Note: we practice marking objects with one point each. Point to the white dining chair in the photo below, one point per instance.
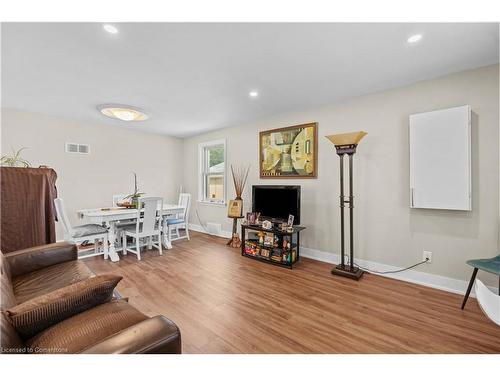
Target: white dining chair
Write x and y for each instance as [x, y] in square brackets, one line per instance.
[148, 225]
[82, 233]
[180, 221]
[118, 198]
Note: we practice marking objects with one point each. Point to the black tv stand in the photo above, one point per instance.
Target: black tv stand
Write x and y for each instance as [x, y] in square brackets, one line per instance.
[284, 251]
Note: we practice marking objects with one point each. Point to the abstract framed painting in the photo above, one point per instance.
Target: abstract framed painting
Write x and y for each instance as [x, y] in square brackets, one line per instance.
[290, 152]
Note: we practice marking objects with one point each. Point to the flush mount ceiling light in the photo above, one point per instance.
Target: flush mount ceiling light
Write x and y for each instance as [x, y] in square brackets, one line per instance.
[253, 94]
[414, 38]
[123, 112]
[110, 29]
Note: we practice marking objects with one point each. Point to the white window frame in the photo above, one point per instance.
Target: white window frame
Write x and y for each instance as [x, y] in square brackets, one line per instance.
[202, 164]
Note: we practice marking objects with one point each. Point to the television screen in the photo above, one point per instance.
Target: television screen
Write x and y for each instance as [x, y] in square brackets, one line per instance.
[276, 202]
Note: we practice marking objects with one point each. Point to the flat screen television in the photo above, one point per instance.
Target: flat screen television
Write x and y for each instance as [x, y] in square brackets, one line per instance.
[276, 202]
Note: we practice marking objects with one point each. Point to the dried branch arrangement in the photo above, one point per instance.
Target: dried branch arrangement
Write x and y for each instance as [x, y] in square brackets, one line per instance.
[136, 194]
[240, 174]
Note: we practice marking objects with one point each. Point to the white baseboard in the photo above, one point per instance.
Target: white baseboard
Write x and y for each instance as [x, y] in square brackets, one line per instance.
[416, 277]
[199, 228]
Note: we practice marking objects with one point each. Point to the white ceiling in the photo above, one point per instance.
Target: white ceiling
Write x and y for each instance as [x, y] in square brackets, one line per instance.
[195, 77]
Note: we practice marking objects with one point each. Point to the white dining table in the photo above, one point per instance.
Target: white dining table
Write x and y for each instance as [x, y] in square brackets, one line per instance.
[109, 216]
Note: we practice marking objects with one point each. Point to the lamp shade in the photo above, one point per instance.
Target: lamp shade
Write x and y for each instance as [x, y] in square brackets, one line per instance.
[346, 139]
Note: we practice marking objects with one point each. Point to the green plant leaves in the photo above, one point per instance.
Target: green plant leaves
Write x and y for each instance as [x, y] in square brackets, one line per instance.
[15, 159]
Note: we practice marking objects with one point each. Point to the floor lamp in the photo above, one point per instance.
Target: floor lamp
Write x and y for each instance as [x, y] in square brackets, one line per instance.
[345, 144]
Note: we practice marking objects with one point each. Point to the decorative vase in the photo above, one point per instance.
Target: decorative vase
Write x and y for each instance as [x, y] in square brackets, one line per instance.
[135, 202]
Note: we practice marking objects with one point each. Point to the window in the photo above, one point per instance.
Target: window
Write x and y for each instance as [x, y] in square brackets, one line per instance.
[212, 160]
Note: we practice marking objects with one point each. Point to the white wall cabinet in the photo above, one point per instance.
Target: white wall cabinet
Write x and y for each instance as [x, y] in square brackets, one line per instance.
[440, 159]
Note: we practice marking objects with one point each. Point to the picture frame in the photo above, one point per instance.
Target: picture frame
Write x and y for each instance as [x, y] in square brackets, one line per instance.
[269, 239]
[289, 152]
[235, 208]
[265, 253]
[250, 218]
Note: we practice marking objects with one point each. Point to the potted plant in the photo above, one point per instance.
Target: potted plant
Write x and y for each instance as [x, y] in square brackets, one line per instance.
[15, 159]
[134, 197]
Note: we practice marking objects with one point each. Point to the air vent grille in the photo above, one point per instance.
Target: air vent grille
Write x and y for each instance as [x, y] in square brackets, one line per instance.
[76, 148]
[214, 228]
[83, 149]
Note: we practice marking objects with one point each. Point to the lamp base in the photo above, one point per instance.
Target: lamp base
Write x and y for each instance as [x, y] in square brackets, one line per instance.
[346, 271]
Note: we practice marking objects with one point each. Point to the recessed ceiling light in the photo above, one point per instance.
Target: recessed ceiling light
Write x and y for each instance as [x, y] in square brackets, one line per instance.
[123, 112]
[110, 29]
[253, 94]
[414, 38]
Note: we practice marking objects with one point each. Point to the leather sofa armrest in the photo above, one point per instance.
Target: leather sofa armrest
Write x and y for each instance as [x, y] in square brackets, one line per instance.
[157, 335]
[35, 258]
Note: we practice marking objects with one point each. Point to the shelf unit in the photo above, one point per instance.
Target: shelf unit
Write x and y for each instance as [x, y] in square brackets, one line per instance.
[283, 252]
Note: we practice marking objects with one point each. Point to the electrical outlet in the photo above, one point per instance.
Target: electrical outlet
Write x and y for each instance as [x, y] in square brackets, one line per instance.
[427, 255]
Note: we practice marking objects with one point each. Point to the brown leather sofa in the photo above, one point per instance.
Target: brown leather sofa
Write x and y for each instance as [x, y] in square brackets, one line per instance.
[35, 271]
[31, 277]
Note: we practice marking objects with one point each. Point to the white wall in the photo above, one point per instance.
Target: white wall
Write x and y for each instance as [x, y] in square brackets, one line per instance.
[386, 229]
[86, 181]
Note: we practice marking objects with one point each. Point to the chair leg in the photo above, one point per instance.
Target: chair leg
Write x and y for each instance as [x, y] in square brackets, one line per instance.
[118, 239]
[138, 248]
[474, 273]
[164, 230]
[106, 250]
[124, 243]
[177, 231]
[159, 243]
[150, 242]
[187, 232]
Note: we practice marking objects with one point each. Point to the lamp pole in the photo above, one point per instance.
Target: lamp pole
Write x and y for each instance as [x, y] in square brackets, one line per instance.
[351, 211]
[346, 144]
[342, 204]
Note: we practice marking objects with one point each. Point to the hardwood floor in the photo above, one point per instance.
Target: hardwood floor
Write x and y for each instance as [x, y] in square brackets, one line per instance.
[226, 303]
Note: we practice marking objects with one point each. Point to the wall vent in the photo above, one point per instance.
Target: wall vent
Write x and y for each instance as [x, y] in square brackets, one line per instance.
[76, 148]
[214, 228]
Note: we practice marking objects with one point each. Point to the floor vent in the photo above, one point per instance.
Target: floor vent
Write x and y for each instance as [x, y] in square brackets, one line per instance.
[77, 148]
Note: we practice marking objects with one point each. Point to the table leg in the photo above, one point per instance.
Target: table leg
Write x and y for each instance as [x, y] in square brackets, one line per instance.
[166, 240]
[112, 237]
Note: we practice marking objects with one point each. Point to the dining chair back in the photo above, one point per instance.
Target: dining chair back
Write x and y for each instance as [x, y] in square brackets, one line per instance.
[148, 225]
[151, 216]
[81, 234]
[180, 221]
[185, 202]
[118, 198]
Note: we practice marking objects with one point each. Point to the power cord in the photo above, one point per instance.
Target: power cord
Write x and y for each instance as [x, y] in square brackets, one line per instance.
[202, 225]
[386, 272]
